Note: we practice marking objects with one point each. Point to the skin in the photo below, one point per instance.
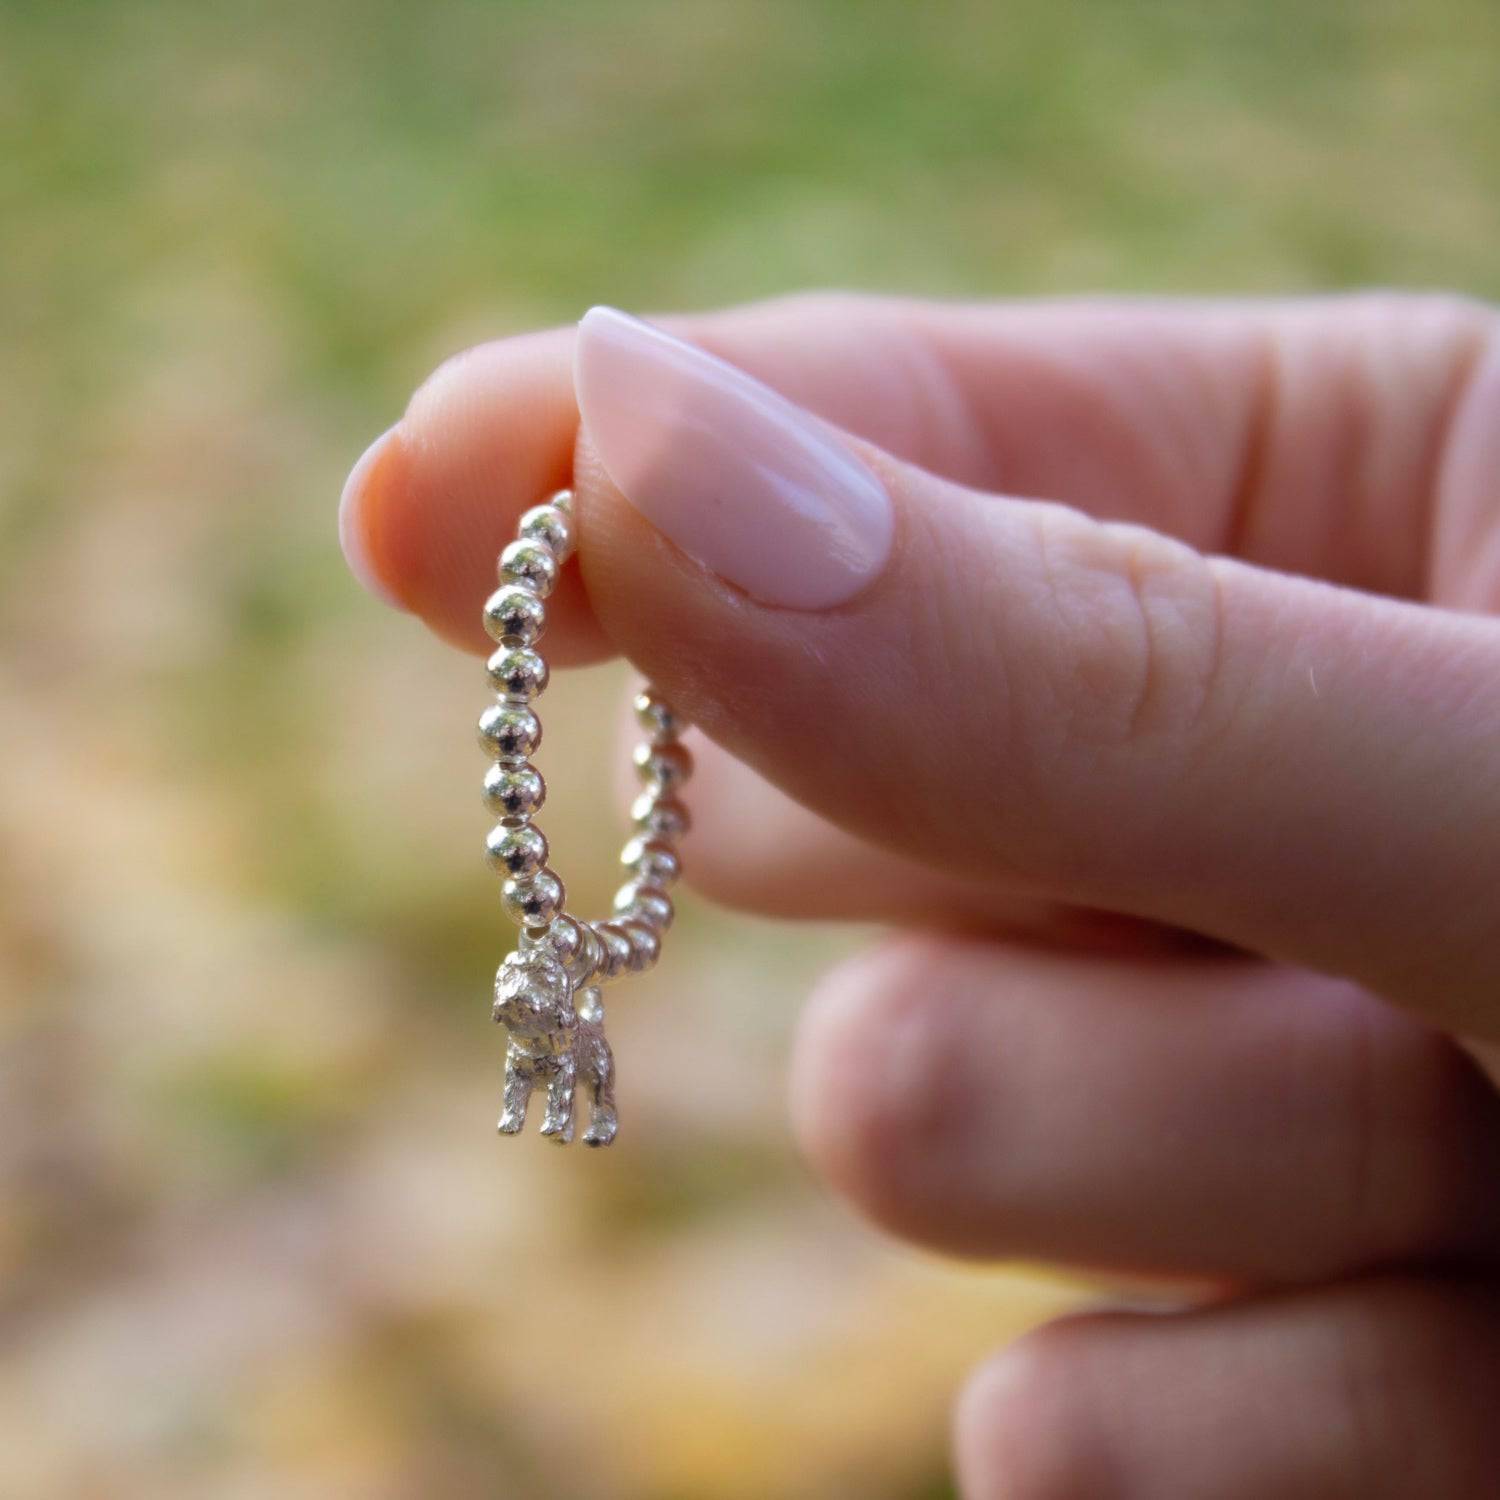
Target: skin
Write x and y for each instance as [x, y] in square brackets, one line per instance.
[1193, 848]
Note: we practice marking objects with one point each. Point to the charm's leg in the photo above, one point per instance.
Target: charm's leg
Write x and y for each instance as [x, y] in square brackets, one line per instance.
[603, 1122]
[518, 1082]
[558, 1121]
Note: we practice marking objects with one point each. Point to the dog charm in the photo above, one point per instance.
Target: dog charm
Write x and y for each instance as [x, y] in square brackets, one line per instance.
[553, 1045]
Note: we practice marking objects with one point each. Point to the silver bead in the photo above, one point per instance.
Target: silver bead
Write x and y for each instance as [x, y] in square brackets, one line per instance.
[648, 903]
[563, 501]
[563, 939]
[530, 564]
[516, 851]
[518, 673]
[645, 943]
[509, 732]
[652, 861]
[514, 791]
[661, 722]
[515, 614]
[533, 900]
[660, 817]
[551, 525]
[663, 768]
[616, 948]
[589, 959]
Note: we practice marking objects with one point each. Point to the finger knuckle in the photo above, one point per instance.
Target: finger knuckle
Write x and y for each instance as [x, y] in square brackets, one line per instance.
[1414, 310]
[1137, 626]
[833, 305]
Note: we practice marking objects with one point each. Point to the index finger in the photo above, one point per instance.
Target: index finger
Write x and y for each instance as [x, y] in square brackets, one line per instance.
[1302, 435]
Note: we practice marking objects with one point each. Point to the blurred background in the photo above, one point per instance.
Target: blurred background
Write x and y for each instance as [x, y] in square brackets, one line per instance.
[257, 1236]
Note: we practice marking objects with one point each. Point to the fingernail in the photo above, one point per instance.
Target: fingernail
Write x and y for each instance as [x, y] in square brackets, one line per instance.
[356, 508]
[742, 480]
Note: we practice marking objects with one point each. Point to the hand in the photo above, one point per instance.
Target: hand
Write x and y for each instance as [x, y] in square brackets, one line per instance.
[1184, 781]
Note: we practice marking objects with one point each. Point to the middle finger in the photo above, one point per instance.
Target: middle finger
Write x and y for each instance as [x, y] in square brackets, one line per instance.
[1219, 1118]
[754, 848]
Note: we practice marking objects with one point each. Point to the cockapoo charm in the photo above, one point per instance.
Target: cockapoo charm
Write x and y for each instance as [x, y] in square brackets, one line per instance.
[555, 1045]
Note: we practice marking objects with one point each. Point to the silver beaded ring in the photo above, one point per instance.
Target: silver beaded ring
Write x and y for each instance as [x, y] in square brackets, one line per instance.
[547, 991]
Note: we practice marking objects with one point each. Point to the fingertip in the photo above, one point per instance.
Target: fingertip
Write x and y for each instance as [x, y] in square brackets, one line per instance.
[829, 1020]
[429, 506]
[359, 515]
[862, 1105]
[1013, 1433]
[985, 1403]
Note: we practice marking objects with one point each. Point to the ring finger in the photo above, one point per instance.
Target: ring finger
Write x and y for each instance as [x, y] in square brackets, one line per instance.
[1379, 1388]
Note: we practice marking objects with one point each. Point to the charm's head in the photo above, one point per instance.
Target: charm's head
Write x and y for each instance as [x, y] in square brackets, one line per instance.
[533, 996]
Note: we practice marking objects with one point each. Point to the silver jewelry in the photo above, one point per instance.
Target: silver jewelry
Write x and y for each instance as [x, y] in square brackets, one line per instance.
[547, 991]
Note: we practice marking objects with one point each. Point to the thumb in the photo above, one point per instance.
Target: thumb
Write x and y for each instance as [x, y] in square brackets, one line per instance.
[1016, 691]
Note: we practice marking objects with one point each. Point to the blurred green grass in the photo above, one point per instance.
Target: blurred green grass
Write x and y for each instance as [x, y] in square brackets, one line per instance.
[241, 936]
